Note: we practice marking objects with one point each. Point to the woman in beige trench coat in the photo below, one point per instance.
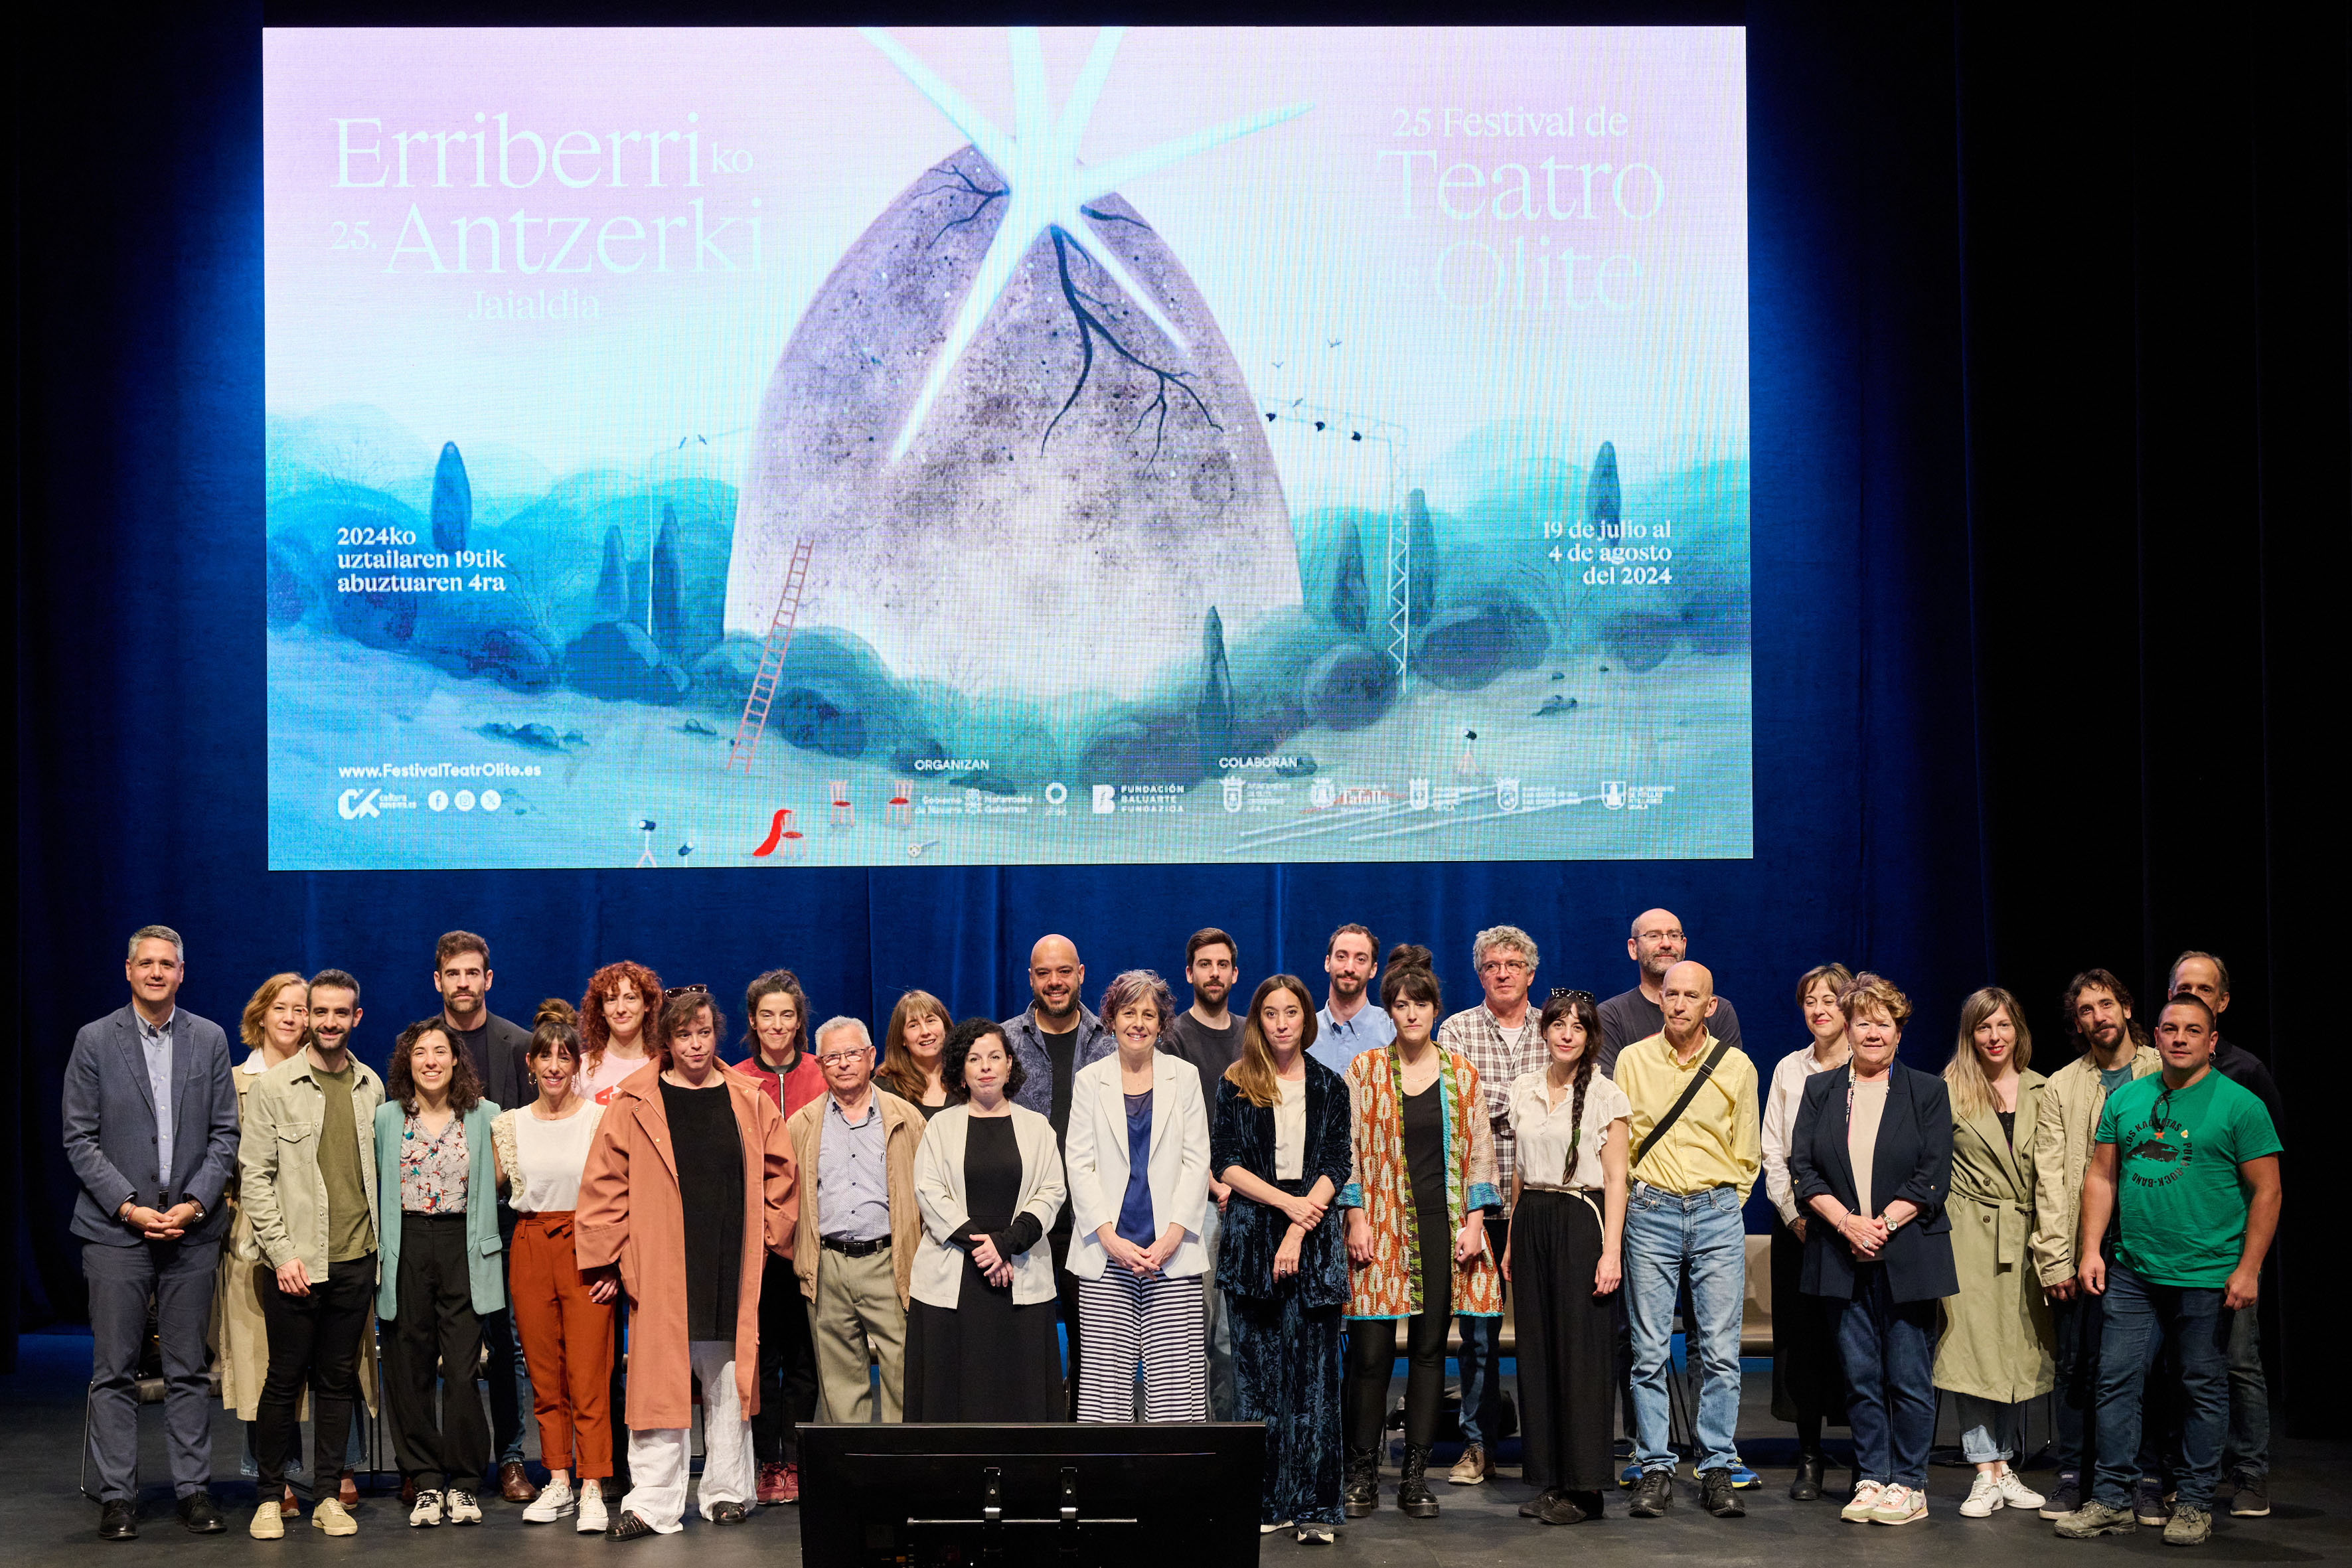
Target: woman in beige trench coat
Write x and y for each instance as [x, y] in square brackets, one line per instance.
[1996, 1350]
[693, 1284]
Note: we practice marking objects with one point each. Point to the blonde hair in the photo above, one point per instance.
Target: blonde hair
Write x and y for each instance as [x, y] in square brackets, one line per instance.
[256, 1011]
[1252, 1073]
[1971, 1092]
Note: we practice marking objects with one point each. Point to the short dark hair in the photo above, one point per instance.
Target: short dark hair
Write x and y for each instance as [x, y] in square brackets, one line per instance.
[400, 1083]
[337, 980]
[677, 1010]
[2189, 999]
[776, 983]
[1410, 977]
[1365, 932]
[1209, 936]
[961, 1039]
[453, 942]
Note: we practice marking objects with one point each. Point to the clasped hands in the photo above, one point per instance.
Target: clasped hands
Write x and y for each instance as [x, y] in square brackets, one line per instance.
[1143, 1262]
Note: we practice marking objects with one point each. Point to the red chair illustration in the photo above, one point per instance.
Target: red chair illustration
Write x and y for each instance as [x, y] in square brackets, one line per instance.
[845, 812]
[901, 807]
[783, 838]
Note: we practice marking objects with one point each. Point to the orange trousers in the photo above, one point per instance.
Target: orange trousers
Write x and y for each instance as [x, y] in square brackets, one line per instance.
[567, 1343]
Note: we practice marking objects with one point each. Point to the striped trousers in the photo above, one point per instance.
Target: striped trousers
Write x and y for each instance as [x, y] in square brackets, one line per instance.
[1156, 1323]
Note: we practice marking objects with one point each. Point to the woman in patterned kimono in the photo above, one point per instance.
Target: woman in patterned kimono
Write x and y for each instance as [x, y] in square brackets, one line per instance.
[1417, 1248]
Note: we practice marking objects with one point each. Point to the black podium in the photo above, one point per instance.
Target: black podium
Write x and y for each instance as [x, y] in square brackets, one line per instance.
[1085, 1496]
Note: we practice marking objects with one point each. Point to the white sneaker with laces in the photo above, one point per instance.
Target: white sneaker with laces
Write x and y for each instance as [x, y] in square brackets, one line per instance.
[2015, 1492]
[1900, 1505]
[1985, 1496]
[426, 1513]
[1865, 1498]
[593, 1519]
[554, 1502]
[463, 1509]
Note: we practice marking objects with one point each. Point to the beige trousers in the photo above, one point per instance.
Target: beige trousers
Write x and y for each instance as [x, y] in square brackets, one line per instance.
[856, 1310]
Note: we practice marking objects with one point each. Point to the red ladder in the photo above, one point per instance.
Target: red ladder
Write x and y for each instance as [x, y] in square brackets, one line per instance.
[772, 661]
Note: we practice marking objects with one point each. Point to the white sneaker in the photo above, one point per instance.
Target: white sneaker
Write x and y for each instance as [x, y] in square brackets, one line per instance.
[592, 1509]
[2015, 1492]
[463, 1509]
[554, 1502]
[426, 1513]
[1270, 1528]
[1985, 1496]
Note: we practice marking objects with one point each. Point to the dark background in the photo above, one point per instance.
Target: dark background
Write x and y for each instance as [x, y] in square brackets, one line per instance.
[2050, 484]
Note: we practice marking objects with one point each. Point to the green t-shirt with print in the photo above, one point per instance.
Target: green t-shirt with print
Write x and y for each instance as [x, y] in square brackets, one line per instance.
[2179, 1198]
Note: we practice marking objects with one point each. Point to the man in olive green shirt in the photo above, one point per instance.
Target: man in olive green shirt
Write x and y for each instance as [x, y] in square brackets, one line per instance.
[307, 1180]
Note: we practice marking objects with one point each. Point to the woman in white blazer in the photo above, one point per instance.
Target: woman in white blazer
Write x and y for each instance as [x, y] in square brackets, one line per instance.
[1138, 1165]
[980, 1344]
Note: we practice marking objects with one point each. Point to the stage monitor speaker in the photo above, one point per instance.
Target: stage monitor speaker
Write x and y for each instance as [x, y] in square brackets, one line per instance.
[1081, 1495]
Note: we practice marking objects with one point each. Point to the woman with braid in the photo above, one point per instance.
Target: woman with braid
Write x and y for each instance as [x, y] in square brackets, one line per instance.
[1417, 1247]
[1567, 1220]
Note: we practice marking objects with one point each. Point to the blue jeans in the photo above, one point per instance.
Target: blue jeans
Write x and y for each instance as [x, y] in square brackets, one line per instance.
[1665, 1235]
[1988, 1428]
[2247, 1449]
[1888, 1349]
[2143, 1320]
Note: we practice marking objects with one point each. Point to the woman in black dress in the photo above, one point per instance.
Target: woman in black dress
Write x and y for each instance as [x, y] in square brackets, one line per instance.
[981, 1343]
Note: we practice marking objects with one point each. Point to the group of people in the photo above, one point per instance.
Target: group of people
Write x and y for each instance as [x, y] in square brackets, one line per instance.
[1224, 1214]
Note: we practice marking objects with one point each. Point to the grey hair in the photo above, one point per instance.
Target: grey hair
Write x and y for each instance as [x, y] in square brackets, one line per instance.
[155, 933]
[1502, 936]
[1136, 985]
[838, 1023]
[2220, 971]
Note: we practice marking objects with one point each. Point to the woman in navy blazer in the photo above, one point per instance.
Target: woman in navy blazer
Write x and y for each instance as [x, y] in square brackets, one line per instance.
[1881, 1251]
[1280, 1140]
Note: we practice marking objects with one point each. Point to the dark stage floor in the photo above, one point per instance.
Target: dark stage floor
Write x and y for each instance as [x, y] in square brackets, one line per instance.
[44, 1520]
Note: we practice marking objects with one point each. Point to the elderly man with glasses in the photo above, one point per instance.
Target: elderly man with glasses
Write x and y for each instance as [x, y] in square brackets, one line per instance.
[1500, 1038]
[858, 1225]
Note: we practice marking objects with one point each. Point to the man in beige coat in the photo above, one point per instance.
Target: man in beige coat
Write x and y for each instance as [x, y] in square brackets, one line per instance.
[2114, 1051]
[858, 1225]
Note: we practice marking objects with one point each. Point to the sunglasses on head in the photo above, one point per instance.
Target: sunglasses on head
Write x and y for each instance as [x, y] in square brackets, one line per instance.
[1560, 991]
[670, 990]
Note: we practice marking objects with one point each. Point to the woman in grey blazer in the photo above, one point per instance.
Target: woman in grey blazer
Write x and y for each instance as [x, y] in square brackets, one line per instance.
[1138, 1176]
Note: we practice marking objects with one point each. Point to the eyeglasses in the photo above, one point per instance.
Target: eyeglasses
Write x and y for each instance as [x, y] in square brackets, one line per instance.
[1504, 966]
[838, 1058]
[670, 990]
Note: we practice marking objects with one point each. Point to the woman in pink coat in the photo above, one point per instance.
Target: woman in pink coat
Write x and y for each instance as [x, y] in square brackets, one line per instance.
[689, 1184]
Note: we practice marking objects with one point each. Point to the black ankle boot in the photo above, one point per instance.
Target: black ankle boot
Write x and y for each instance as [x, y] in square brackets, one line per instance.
[1363, 1492]
[1811, 1468]
[1412, 1492]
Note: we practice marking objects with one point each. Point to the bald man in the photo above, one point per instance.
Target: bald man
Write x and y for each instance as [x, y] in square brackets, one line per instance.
[1656, 944]
[1054, 1037]
[1691, 1172]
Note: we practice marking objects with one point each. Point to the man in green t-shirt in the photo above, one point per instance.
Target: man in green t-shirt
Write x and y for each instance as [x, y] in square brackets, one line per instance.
[2186, 1161]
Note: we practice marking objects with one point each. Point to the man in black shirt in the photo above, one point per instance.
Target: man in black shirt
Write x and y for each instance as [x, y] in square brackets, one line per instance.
[1053, 1037]
[2246, 1447]
[1210, 1038]
[1657, 945]
[461, 974]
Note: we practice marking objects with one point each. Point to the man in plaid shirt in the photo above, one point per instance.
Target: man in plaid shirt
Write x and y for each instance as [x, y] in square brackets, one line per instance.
[1500, 1038]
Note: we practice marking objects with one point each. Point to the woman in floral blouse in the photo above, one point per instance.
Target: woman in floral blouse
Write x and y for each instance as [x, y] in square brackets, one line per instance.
[1417, 1248]
[440, 1266]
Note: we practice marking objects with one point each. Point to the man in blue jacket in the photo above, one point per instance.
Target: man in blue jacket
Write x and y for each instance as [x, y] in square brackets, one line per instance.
[151, 1131]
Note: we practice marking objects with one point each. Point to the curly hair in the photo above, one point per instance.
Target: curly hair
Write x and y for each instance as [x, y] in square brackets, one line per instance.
[256, 1011]
[960, 1040]
[594, 1034]
[1875, 993]
[400, 1082]
[899, 1072]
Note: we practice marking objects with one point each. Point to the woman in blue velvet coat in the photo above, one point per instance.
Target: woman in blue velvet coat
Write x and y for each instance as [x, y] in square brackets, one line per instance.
[1280, 1141]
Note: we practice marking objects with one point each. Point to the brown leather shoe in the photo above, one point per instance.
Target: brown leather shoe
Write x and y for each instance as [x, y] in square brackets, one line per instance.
[514, 1485]
[408, 1491]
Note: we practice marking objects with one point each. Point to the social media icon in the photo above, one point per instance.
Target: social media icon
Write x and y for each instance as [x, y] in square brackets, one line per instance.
[465, 800]
[490, 799]
[438, 800]
[1106, 799]
[1057, 792]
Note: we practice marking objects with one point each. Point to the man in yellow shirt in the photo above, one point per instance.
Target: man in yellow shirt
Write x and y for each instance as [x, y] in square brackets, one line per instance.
[1689, 1184]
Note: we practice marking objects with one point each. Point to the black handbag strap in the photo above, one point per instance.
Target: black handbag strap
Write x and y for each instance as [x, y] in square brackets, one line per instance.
[1690, 1092]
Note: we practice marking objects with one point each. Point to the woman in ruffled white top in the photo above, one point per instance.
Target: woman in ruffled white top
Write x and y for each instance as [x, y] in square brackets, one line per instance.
[565, 1319]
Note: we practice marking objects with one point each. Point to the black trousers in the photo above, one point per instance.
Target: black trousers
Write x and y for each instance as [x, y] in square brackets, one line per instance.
[314, 1339]
[436, 1338]
[1372, 1348]
[1065, 1288]
[1567, 1346]
[787, 1364]
[1807, 1378]
[619, 1400]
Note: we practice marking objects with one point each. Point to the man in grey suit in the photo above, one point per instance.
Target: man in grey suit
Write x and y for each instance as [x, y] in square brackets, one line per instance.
[151, 1131]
